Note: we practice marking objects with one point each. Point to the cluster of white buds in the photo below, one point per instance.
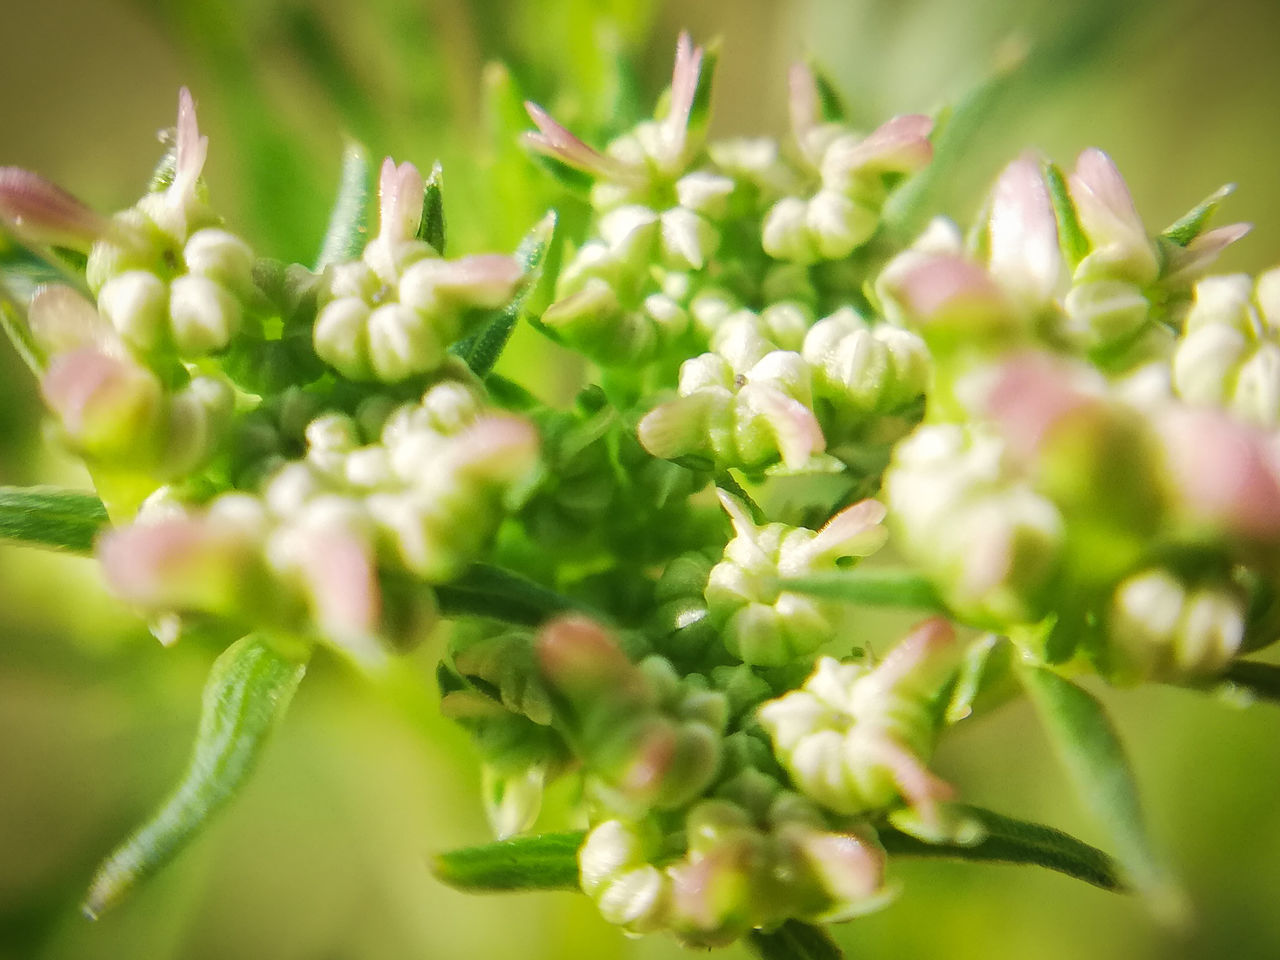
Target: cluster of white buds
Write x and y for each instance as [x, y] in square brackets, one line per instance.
[167, 276]
[740, 870]
[1162, 628]
[393, 313]
[745, 405]
[855, 739]
[963, 511]
[760, 621]
[1229, 353]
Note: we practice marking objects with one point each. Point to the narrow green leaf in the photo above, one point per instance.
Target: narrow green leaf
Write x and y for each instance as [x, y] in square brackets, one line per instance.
[1075, 245]
[432, 227]
[348, 221]
[14, 325]
[831, 106]
[1262, 680]
[488, 591]
[1007, 840]
[700, 110]
[873, 586]
[1192, 223]
[1087, 745]
[548, 861]
[538, 254]
[794, 940]
[51, 517]
[246, 694]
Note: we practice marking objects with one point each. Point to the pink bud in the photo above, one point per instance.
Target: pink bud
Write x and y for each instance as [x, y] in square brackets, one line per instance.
[794, 426]
[1025, 255]
[343, 582]
[1031, 395]
[684, 86]
[400, 194]
[900, 145]
[945, 289]
[918, 655]
[61, 320]
[1222, 472]
[579, 658]
[855, 531]
[1105, 209]
[40, 212]
[106, 404]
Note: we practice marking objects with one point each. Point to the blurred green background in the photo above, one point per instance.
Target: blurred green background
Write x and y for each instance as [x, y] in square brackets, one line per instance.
[324, 857]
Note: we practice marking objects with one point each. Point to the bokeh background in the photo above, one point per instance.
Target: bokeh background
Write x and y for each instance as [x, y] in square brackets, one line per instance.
[325, 855]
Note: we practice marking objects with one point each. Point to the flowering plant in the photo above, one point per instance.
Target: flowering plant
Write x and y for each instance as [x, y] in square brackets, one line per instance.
[1059, 426]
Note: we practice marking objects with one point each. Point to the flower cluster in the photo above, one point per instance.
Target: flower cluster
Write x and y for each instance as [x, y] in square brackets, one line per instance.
[1060, 423]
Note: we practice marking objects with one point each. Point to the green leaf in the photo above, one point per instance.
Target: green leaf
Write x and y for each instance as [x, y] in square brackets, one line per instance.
[246, 694]
[539, 251]
[700, 110]
[548, 861]
[51, 517]
[794, 940]
[13, 323]
[985, 679]
[831, 106]
[872, 586]
[1087, 745]
[1006, 840]
[1192, 223]
[1075, 245]
[488, 591]
[348, 222]
[432, 227]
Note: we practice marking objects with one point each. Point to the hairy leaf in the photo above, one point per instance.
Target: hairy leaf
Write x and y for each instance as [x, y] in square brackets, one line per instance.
[537, 252]
[794, 940]
[51, 517]
[1192, 223]
[1006, 840]
[873, 586]
[432, 227]
[1087, 745]
[547, 861]
[348, 222]
[246, 694]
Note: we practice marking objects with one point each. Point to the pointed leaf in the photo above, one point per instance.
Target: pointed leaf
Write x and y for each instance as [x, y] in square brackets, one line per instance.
[51, 517]
[15, 327]
[1191, 224]
[348, 222]
[1075, 245]
[873, 586]
[1007, 840]
[246, 694]
[432, 227]
[547, 861]
[1087, 745]
[488, 591]
[539, 255]
[831, 108]
[794, 940]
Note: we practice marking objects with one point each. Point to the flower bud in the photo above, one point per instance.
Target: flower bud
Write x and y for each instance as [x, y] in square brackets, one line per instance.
[705, 193]
[838, 225]
[136, 303]
[40, 212]
[342, 337]
[109, 407]
[221, 256]
[785, 234]
[1104, 313]
[204, 315]
[1104, 207]
[401, 344]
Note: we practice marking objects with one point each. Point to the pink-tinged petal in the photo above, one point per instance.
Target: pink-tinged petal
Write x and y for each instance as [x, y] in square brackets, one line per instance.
[61, 320]
[486, 280]
[176, 564]
[1222, 472]
[795, 428]
[919, 655]
[105, 404]
[684, 87]
[40, 212]
[851, 868]
[901, 145]
[1106, 212]
[342, 579]
[496, 449]
[919, 786]
[400, 193]
[939, 288]
[650, 759]
[802, 101]
[555, 141]
[855, 531]
[1029, 397]
[1025, 256]
[190, 150]
[679, 427]
[1186, 265]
